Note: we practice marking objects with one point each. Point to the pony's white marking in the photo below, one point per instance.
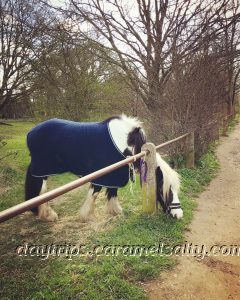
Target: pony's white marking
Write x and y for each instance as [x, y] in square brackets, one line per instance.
[170, 180]
[44, 187]
[127, 124]
[113, 207]
[88, 206]
[178, 213]
[45, 212]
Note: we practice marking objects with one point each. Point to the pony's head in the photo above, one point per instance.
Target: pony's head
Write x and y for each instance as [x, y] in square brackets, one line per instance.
[128, 135]
[168, 186]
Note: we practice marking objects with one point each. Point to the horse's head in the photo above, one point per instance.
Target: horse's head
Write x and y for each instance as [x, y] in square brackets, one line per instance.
[136, 139]
[168, 186]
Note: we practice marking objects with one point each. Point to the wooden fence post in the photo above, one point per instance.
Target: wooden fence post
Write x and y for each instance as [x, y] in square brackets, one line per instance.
[189, 151]
[148, 178]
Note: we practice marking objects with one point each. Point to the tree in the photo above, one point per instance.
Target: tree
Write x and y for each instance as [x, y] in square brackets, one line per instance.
[148, 38]
[229, 45]
[72, 82]
[65, 81]
[23, 25]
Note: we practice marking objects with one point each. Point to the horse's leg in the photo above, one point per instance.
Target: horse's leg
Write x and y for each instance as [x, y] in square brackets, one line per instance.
[113, 206]
[176, 210]
[45, 212]
[35, 186]
[88, 206]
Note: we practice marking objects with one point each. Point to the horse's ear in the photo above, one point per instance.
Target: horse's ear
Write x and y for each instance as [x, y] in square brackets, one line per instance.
[137, 129]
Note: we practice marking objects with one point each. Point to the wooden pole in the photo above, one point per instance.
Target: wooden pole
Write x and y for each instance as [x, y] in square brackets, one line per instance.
[27, 205]
[171, 141]
[190, 151]
[148, 178]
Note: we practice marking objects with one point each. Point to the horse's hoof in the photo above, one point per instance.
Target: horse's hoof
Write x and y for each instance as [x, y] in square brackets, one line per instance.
[53, 216]
[113, 207]
[115, 212]
[85, 218]
[48, 215]
[178, 214]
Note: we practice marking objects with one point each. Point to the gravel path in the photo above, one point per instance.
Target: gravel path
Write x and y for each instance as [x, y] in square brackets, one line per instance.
[216, 222]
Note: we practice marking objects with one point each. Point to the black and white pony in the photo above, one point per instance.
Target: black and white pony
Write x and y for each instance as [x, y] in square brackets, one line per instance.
[58, 146]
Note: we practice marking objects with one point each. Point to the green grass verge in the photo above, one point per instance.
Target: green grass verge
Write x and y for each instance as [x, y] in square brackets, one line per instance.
[92, 276]
[233, 122]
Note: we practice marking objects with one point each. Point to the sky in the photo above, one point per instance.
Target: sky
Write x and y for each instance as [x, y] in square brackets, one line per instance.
[57, 2]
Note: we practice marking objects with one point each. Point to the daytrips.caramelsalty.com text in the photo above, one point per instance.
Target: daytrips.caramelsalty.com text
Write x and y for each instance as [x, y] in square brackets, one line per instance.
[72, 251]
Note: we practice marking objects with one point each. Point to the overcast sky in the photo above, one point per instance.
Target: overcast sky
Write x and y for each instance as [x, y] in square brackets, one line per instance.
[57, 2]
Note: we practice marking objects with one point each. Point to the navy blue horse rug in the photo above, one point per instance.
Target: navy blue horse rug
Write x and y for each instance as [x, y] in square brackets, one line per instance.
[57, 146]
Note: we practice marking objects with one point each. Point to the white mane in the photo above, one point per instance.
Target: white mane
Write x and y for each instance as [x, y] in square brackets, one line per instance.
[131, 121]
[120, 128]
[170, 177]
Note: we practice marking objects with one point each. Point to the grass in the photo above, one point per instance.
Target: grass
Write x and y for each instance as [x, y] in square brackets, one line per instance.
[91, 276]
[233, 122]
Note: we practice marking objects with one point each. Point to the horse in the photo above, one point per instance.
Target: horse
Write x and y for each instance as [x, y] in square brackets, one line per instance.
[57, 146]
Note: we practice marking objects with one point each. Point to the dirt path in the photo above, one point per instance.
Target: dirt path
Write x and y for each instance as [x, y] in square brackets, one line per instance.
[216, 222]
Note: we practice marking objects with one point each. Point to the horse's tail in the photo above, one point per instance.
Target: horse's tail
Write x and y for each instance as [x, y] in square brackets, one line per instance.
[33, 186]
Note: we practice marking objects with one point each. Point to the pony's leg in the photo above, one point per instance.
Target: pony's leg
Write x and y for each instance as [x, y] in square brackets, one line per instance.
[176, 210]
[45, 212]
[35, 186]
[113, 206]
[88, 206]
